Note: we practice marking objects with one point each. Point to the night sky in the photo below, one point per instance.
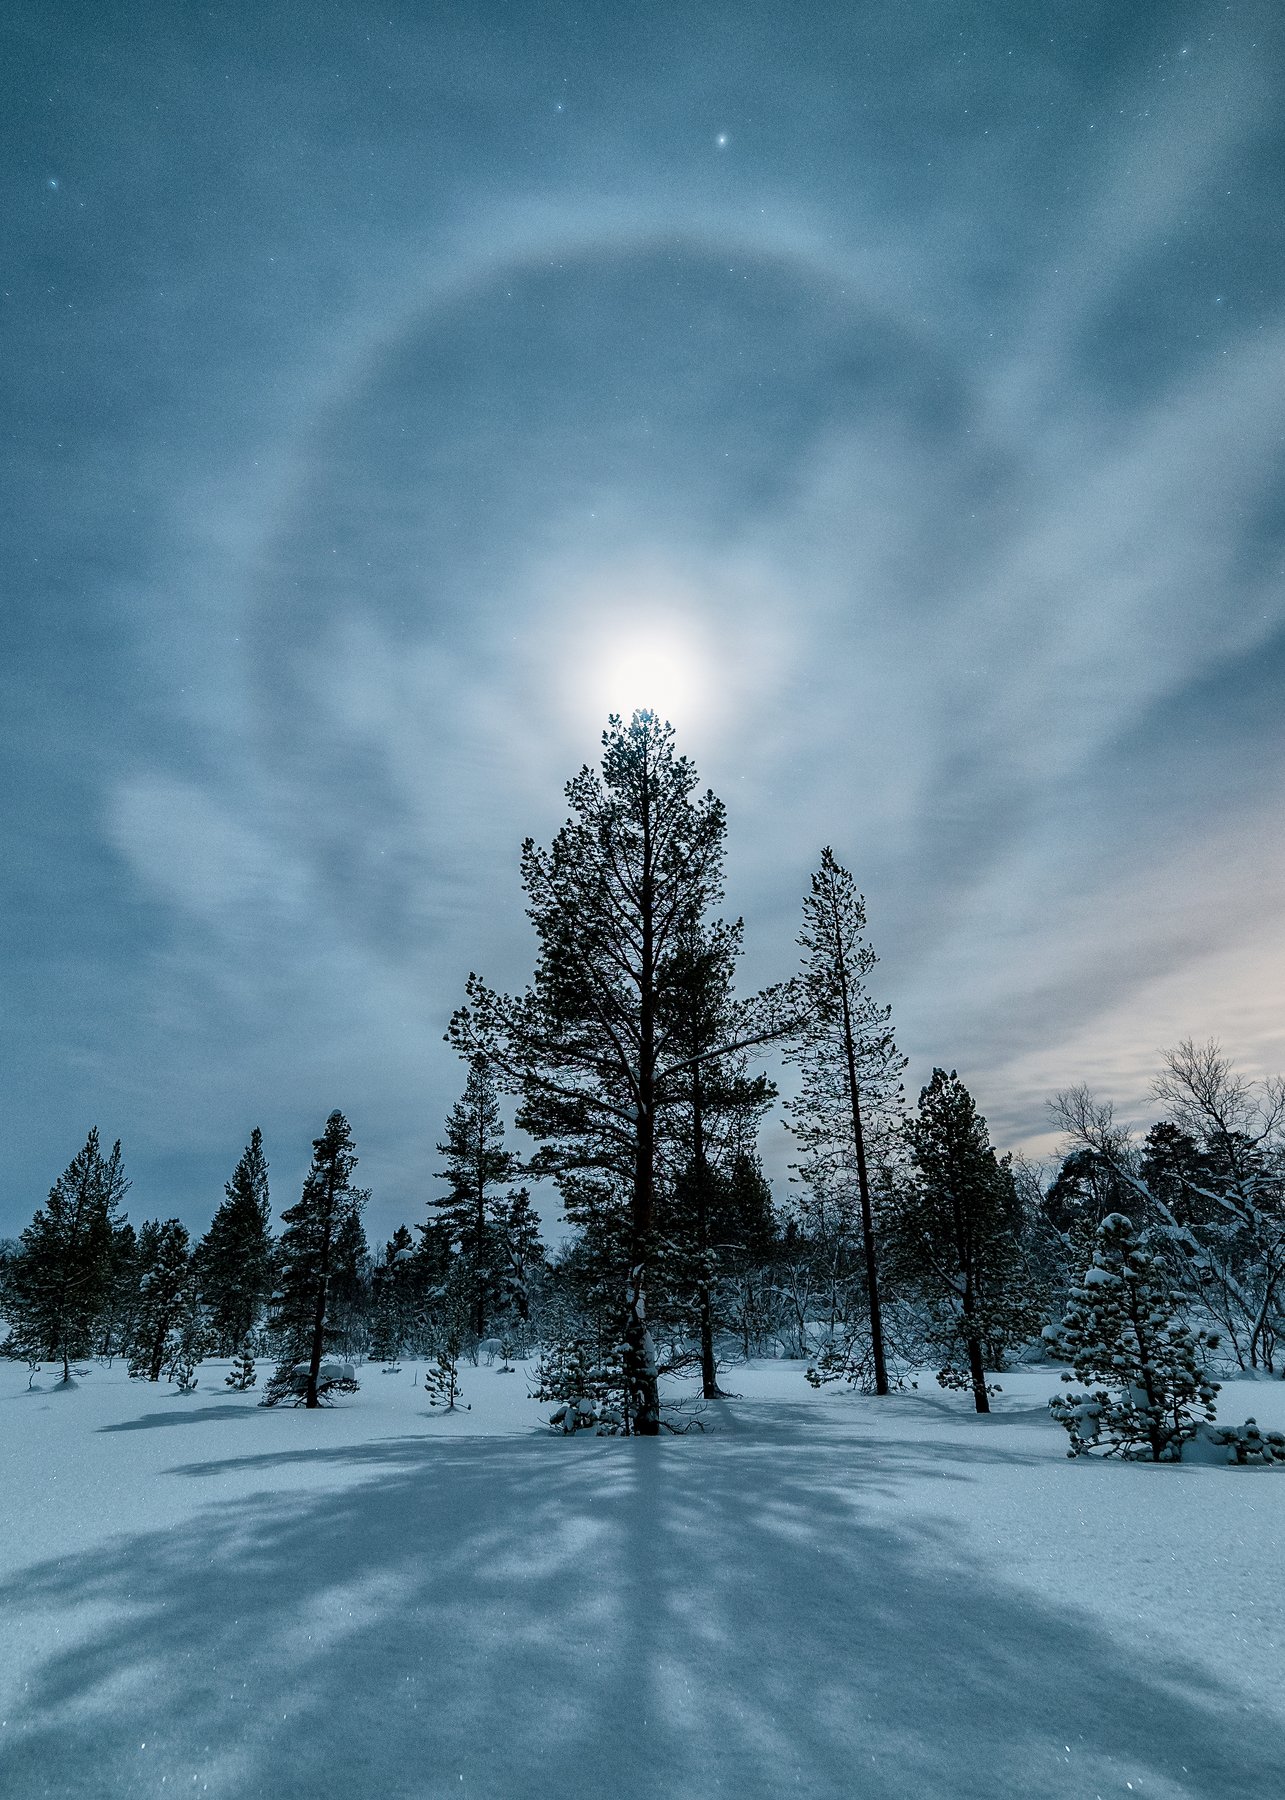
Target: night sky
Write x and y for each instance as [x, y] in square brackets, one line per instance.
[889, 393]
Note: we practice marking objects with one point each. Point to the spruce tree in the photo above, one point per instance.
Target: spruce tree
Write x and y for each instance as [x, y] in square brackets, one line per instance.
[164, 1296]
[518, 1224]
[1121, 1331]
[586, 1385]
[348, 1310]
[234, 1258]
[717, 1106]
[630, 874]
[476, 1165]
[393, 1298]
[850, 1067]
[951, 1231]
[190, 1339]
[62, 1276]
[120, 1300]
[440, 1309]
[312, 1251]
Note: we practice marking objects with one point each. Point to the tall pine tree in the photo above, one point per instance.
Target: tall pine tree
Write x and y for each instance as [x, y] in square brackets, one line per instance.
[234, 1258]
[476, 1165]
[164, 1295]
[635, 868]
[394, 1298]
[952, 1236]
[715, 1113]
[849, 1063]
[62, 1276]
[524, 1253]
[312, 1254]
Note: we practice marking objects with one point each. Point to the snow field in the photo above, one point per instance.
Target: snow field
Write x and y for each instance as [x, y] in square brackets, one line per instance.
[822, 1594]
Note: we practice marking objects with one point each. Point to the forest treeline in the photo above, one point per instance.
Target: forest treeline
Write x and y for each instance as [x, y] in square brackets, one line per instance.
[631, 1064]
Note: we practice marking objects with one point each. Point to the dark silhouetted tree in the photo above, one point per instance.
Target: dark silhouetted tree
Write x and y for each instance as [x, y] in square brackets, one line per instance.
[165, 1278]
[314, 1249]
[477, 1164]
[850, 1067]
[62, 1276]
[234, 1258]
[524, 1252]
[952, 1235]
[630, 875]
[714, 1110]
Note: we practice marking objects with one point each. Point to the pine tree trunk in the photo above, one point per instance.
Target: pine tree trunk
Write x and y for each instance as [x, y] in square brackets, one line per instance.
[479, 1304]
[710, 1389]
[479, 1298]
[863, 1186]
[976, 1364]
[640, 1356]
[311, 1396]
[640, 1359]
[977, 1373]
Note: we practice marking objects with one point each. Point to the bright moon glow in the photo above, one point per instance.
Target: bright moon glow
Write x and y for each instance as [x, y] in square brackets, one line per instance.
[658, 669]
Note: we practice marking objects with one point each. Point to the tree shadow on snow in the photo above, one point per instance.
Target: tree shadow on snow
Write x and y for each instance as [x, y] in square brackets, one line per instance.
[533, 1619]
[189, 1415]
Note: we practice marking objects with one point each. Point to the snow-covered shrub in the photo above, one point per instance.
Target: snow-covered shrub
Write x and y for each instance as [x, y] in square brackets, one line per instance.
[291, 1385]
[1149, 1391]
[587, 1388]
[191, 1340]
[1246, 1445]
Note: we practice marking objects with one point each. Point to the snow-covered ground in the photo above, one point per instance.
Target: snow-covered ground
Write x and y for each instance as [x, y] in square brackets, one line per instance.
[822, 1595]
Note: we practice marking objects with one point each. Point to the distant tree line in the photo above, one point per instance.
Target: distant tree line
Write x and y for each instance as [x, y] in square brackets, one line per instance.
[904, 1240]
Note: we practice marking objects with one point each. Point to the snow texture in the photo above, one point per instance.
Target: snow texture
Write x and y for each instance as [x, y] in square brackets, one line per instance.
[823, 1594]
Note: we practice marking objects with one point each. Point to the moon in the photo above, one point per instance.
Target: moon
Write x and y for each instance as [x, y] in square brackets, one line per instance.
[657, 667]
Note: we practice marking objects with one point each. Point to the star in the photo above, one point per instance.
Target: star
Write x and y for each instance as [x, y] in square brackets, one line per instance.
[721, 140]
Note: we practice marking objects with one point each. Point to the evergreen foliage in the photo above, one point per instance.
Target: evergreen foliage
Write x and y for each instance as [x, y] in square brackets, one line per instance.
[1209, 1180]
[952, 1235]
[1246, 1446]
[243, 1374]
[316, 1249]
[190, 1339]
[524, 1253]
[1122, 1334]
[851, 1070]
[587, 1386]
[442, 1382]
[234, 1258]
[476, 1165]
[394, 1299]
[613, 900]
[166, 1295]
[349, 1295]
[62, 1277]
[713, 1203]
[120, 1300]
